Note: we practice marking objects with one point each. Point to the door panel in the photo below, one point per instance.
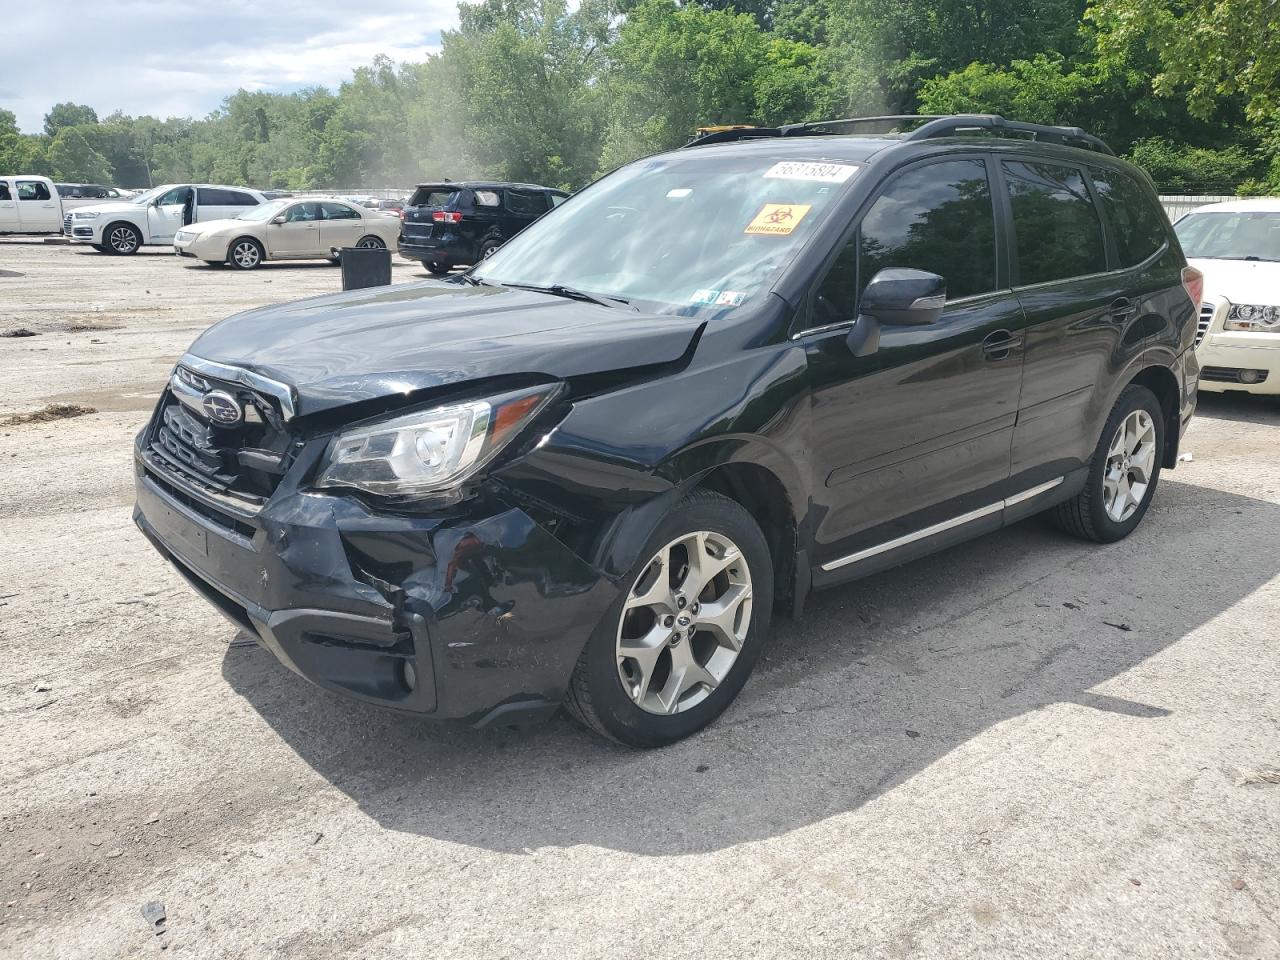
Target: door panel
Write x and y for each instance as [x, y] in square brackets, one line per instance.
[8, 208]
[342, 225]
[1078, 317]
[919, 431]
[39, 209]
[299, 235]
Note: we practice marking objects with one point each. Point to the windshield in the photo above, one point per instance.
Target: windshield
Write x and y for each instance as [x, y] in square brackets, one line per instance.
[1231, 235]
[151, 194]
[676, 234]
[264, 211]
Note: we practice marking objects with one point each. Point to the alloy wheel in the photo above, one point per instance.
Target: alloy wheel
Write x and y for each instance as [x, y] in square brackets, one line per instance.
[246, 254]
[1131, 461]
[123, 240]
[371, 243]
[684, 622]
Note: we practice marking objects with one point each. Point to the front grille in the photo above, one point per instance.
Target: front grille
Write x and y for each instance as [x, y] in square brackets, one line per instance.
[244, 461]
[66, 224]
[1206, 319]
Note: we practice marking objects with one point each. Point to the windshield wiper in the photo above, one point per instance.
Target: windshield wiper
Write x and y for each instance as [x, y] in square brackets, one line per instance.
[474, 281]
[570, 293]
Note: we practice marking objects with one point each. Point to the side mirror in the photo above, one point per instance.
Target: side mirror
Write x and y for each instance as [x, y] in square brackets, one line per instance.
[278, 218]
[903, 297]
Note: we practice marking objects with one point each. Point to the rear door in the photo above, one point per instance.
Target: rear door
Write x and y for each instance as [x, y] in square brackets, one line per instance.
[917, 433]
[39, 208]
[217, 203]
[342, 225]
[9, 222]
[521, 207]
[1079, 319]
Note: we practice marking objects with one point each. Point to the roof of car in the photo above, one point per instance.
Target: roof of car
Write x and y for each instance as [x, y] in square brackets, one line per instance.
[1250, 205]
[480, 184]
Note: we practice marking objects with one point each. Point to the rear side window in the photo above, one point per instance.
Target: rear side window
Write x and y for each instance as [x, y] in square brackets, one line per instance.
[1136, 222]
[937, 217]
[433, 197]
[1056, 228]
[33, 190]
[238, 199]
[4, 192]
[338, 211]
[488, 198]
[526, 203]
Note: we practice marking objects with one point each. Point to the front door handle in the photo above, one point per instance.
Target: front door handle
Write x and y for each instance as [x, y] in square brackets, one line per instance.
[1123, 307]
[998, 344]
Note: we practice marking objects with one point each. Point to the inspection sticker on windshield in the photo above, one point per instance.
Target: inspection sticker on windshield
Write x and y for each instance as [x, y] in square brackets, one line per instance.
[777, 219]
[718, 298]
[803, 170]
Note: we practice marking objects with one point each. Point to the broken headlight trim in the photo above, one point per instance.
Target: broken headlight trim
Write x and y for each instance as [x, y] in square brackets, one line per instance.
[1253, 317]
[430, 451]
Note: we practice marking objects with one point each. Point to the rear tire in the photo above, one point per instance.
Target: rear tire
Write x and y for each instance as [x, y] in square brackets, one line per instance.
[677, 645]
[1123, 473]
[371, 242]
[487, 249]
[122, 239]
[436, 269]
[245, 253]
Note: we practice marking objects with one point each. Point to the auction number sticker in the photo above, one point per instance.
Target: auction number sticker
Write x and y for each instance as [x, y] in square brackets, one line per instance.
[718, 298]
[777, 219]
[805, 170]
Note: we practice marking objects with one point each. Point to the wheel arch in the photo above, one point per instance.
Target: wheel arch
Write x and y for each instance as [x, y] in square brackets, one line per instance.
[1161, 381]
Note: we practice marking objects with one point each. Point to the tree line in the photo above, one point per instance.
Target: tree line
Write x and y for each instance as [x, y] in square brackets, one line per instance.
[532, 90]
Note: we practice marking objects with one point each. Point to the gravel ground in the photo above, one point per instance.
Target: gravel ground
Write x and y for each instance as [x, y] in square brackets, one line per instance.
[1024, 746]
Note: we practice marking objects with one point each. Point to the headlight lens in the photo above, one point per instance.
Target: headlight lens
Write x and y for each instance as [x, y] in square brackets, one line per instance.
[430, 451]
[88, 215]
[1248, 316]
[184, 235]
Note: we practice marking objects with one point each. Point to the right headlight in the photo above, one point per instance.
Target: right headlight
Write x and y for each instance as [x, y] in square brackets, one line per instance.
[431, 451]
[85, 215]
[1252, 317]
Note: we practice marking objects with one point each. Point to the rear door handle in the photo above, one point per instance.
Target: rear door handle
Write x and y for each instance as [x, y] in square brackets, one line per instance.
[1123, 307]
[997, 344]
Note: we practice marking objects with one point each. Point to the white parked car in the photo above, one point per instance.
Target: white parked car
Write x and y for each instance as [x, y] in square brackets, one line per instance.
[155, 216]
[307, 229]
[1236, 245]
[29, 204]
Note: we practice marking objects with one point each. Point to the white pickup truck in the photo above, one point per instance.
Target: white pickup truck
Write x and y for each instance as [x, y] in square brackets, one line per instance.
[155, 216]
[29, 204]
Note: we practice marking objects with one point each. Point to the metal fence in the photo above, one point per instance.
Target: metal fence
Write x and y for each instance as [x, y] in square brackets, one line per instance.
[382, 193]
[1176, 207]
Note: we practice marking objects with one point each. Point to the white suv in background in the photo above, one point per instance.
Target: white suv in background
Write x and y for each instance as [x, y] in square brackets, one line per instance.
[1236, 245]
[155, 216]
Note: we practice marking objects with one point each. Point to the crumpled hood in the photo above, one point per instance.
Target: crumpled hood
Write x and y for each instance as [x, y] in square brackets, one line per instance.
[367, 344]
[1240, 281]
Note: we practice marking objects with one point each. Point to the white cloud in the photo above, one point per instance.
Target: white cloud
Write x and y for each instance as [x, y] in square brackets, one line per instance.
[182, 57]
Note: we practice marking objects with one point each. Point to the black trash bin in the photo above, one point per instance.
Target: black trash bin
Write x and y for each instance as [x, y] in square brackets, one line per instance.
[365, 267]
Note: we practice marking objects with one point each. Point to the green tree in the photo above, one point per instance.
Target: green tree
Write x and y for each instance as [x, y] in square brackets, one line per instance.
[68, 115]
[73, 158]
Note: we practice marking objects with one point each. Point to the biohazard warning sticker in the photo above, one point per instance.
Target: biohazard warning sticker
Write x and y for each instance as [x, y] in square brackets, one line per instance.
[777, 219]
[804, 170]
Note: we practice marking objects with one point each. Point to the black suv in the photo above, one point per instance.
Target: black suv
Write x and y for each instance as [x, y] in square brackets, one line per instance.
[446, 225]
[590, 470]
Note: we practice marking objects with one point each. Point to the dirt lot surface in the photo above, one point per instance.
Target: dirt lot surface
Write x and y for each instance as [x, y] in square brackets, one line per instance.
[1022, 747]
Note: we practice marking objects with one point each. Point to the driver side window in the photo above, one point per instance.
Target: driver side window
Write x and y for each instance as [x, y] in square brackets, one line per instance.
[176, 195]
[936, 217]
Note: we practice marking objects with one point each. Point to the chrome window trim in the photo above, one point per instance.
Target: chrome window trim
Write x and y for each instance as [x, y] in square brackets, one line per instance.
[942, 527]
[246, 378]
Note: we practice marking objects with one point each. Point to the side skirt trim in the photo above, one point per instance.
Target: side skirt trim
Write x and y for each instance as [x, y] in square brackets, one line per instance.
[942, 527]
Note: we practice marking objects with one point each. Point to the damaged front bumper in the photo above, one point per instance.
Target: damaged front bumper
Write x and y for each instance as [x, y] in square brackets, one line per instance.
[478, 613]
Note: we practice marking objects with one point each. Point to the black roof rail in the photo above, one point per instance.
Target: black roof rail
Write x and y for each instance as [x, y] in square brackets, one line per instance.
[930, 126]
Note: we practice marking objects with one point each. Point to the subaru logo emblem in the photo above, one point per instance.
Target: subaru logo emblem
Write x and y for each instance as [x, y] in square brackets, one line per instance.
[222, 407]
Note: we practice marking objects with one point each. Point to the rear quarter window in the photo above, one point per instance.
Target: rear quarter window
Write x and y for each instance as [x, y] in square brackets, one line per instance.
[1137, 223]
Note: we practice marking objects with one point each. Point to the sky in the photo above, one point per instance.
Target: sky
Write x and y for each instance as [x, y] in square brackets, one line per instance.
[182, 57]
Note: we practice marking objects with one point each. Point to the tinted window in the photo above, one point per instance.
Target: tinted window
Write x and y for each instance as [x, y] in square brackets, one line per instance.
[1056, 228]
[339, 211]
[213, 197]
[938, 217]
[487, 198]
[433, 197]
[33, 190]
[179, 195]
[67, 189]
[1137, 223]
[526, 203]
[4, 192]
[557, 199]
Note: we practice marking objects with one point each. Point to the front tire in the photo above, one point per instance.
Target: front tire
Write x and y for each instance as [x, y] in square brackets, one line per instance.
[122, 239]
[1122, 474]
[246, 254]
[677, 645]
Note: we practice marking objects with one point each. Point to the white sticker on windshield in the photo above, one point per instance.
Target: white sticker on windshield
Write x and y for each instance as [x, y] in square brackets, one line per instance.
[804, 170]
